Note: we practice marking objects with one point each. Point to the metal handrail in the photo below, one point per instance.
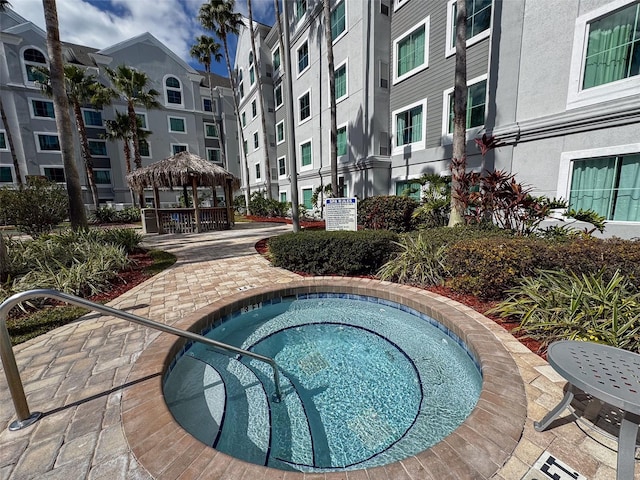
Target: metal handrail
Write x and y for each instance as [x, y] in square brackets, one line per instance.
[25, 417]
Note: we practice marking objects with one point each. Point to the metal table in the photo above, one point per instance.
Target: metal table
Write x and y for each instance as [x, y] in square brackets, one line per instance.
[609, 374]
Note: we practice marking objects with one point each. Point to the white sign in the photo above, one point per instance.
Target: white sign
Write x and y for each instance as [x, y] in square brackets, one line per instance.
[341, 214]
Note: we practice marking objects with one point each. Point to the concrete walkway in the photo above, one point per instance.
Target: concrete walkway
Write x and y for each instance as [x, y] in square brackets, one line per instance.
[76, 374]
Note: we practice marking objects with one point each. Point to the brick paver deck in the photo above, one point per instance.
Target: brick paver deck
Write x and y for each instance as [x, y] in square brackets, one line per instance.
[78, 374]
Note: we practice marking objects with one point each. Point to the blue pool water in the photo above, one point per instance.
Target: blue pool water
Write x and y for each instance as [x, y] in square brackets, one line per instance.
[364, 383]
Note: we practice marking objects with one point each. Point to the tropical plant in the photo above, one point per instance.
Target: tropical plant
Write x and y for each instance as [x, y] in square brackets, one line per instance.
[333, 136]
[435, 203]
[219, 17]
[77, 214]
[133, 87]
[419, 261]
[558, 305]
[459, 157]
[82, 88]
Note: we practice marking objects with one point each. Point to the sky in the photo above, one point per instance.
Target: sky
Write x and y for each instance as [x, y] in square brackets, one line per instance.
[102, 23]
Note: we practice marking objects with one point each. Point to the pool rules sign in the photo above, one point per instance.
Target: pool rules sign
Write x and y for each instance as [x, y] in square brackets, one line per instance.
[341, 214]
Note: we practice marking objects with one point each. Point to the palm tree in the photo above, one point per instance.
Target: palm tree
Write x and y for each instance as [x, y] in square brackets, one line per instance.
[326, 9]
[258, 71]
[82, 88]
[77, 214]
[219, 17]
[204, 51]
[132, 86]
[120, 129]
[4, 4]
[459, 157]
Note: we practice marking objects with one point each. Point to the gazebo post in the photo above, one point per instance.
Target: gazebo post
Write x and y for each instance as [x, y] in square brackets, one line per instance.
[156, 204]
[228, 200]
[196, 208]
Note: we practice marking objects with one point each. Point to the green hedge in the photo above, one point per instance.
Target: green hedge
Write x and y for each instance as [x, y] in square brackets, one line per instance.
[333, 253]
[387, 212]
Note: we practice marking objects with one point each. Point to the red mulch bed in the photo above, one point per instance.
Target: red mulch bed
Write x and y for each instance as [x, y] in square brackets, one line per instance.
[134, 275]
[306, 224]
[479, 305]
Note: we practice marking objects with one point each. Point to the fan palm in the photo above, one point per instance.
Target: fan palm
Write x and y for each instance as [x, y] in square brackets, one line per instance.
[219, 17]
[333, 135]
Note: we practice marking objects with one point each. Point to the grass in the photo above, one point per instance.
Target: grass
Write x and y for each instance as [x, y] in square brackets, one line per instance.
[23, 328]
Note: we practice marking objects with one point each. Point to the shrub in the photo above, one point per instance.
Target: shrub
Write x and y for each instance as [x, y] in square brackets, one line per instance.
[320, 252]
[35, 208]
[489, 267]
[387, 212]
[557, 305]
[418, 262]
[265, 207]
[111, 215]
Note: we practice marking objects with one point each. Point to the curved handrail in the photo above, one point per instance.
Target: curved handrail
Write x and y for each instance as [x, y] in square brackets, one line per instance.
[25, 418]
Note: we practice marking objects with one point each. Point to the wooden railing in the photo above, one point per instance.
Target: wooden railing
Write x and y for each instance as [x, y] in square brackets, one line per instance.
[183, 220]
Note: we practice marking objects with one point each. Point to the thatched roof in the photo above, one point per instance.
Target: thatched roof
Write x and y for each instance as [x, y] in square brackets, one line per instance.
[180, 169]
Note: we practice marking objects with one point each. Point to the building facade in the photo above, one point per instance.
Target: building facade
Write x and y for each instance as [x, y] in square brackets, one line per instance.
[192, 116]
[556, 84]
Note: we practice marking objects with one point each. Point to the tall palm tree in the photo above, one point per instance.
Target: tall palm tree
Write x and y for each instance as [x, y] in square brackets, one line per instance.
[132, 86]
[459, 157]
[82, 88]
[219, 17]
[257, 65]
[4, 4]
[120, 129]
[205, 50]
[326, 10]
[77, 214]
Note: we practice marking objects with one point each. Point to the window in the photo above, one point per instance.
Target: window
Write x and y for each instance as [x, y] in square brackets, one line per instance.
[304, 103]
[102, 177]
[398, 3]
[54, 174]
[283, 197]
[173, 91]
[277, 95]
[32, 59]
[301, 8]
[254, 109]
[338, 21]
[207, 105]
[410, 189]
[210, 130]
[48, 143]
[342, 141]
[275, 58]
[98, 148]
[307, 193]
[383, 141]
[258, 173]
[3, 141]
[256, 141]
[384, 9]
[244, 119]
[305, 154]
[280, 132]
[411, 52]
[476, 101]
[144, 148]
[282, 166]
[303, 58]
[409, 127]
[92, 118]
[252, 75]
[177, 125]
[6, 175]
[608, 185]
[142, 120]
[613, 47]
[478, 23]
[213, 155]
[245, 147]
[341, 81]
[240, 85]
[179, 147]
[384, 74]
[43, 109]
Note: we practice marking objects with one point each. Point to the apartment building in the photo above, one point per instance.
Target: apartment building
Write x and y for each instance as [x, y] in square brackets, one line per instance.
[191, 116]
[556, 83]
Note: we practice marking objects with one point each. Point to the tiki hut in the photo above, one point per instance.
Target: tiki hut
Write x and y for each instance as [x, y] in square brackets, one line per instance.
[185, 170]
